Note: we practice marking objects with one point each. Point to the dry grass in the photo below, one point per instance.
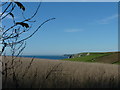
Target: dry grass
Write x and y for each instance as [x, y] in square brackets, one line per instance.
[64, 74]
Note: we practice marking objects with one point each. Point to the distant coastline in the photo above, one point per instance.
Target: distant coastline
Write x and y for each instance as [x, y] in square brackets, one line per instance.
[55, 57]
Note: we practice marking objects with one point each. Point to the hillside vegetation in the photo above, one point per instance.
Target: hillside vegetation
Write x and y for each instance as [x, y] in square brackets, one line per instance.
[105, 57]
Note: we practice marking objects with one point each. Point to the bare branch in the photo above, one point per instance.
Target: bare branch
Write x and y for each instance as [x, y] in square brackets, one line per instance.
[35, 31]
[13, 7]
[5, 9]
[33, 14]
[3, 4]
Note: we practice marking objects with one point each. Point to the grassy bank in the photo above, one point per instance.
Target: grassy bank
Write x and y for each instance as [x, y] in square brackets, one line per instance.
[110, 57]
[60, 74]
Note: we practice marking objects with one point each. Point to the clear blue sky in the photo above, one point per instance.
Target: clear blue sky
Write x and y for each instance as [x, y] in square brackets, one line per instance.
[78, 27]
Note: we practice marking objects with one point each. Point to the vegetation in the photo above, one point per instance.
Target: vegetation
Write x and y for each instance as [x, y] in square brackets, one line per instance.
[116, 62]
[97, 57]
[12, 37]
[20, 72]
[64, 74]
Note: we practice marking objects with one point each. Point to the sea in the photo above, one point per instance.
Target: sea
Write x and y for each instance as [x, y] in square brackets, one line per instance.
[46, 57]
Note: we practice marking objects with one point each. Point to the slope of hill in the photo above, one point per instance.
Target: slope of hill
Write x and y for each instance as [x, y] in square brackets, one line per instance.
[104, 57]
[43, 73]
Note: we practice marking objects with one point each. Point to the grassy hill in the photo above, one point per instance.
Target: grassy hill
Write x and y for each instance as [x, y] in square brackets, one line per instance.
[104, 57]
[43, 73]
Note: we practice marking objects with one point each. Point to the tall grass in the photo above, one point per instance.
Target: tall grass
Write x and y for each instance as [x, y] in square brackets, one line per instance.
[64, 74]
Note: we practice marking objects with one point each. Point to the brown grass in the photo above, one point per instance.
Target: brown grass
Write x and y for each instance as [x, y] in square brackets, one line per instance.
[45, 73]
[113, 57]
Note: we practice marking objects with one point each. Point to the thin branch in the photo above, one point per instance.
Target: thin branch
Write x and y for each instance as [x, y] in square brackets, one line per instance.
[27, 68]
[6, 9]
[24, 20]
[55, 67]
[35, 31]
[33, 14]
[13, 7]
[3, 4]
[10, 36]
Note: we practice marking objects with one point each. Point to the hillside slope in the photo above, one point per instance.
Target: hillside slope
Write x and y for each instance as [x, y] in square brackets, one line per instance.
[112, 58]
[104, 57]
[44, 73]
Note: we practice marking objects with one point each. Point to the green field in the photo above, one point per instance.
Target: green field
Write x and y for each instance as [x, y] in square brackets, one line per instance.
[109, 57]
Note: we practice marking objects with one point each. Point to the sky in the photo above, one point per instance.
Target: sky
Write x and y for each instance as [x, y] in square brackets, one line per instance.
[63, 0]
[78, 27]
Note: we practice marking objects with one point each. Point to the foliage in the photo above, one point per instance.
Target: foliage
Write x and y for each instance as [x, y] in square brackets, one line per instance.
[90, 58]
[12, 38]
